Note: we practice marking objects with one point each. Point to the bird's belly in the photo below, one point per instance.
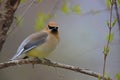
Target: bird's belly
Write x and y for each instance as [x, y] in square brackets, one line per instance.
[43, 50]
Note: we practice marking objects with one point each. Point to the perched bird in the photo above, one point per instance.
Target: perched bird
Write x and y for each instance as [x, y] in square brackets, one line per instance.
[39, 44]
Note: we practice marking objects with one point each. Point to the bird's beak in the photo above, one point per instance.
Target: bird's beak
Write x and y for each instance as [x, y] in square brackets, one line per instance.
[55, 30]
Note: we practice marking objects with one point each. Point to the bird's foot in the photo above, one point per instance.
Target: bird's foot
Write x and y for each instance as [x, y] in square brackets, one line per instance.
[47, 60]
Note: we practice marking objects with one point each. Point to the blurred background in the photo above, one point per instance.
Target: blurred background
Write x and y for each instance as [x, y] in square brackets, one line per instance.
[82, 38]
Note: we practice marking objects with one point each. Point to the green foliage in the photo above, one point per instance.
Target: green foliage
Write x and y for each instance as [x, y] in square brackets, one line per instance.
[76, 9]
[23, 1]
[65, 8]
[118, 76]
[19, 21]
[106, 50]
[39, 1]
[99, 77]
[40, 21]
[114, 22]
[108, 24]
[1, 1]
[107, 76]
[110, 37]
[108, 3]
[118, 2]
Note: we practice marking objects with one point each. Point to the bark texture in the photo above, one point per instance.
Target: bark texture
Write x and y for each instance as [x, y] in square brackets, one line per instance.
[7, 10]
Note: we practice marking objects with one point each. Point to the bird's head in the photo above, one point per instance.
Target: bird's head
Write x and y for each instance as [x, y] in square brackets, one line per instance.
[52, 27]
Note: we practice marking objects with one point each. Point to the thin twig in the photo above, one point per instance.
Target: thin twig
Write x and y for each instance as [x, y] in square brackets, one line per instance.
[104, 65]
[109, 36]
[117, 13]
[53, 64]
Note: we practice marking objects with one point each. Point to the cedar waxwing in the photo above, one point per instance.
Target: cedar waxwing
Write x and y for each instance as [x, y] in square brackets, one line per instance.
[39, 44]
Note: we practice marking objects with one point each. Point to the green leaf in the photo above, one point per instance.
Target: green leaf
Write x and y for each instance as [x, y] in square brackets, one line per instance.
[99, 77]
[19, 21]
[118, 2]
[40, 22]
[65, 8]
[114, 22]
[41, 19]
[107, 76]
[23, 1]
[108, 24]
[108, 3]
[76, 9]
[39, 1]
[118, 76]
[1, 1]
[110, 37]
[106, 50]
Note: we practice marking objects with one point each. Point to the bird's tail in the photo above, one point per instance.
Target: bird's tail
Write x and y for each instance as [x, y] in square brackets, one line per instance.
[18, 55]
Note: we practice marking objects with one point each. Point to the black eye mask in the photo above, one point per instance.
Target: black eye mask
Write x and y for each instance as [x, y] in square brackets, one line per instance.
[52, 27]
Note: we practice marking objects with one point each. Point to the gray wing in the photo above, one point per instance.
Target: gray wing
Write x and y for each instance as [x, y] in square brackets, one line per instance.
[29, 43]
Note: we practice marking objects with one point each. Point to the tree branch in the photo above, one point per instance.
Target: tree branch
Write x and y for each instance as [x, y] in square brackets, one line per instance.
[117, 13]
[53, 64]
[7, 10]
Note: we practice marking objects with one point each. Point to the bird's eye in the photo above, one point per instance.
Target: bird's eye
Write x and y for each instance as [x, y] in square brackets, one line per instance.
[56, 27]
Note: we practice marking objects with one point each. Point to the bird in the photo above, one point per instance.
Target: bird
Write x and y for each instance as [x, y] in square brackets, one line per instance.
[40, 44]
